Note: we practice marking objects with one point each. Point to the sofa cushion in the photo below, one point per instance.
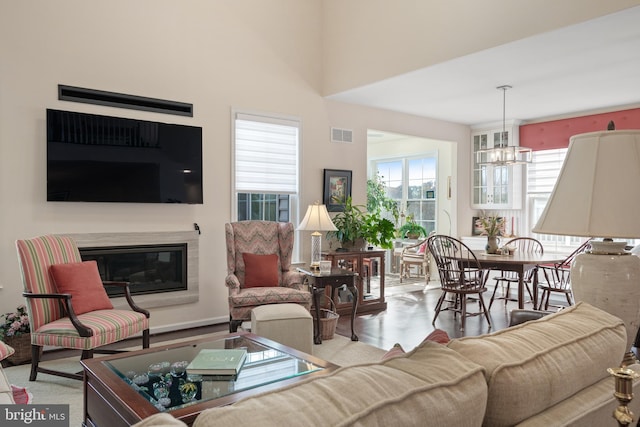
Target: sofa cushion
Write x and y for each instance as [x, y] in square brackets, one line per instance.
[535, 365]
[590, 407]
[5, 350]
[6, 394]
[429, 386]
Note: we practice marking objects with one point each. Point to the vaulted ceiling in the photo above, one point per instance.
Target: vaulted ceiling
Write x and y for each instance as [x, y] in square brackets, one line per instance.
[588, 67]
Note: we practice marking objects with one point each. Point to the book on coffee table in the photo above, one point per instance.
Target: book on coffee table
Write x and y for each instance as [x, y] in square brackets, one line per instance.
[218, 362]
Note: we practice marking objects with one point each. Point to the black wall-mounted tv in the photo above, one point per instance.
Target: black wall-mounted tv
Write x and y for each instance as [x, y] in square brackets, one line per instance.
[93, 158]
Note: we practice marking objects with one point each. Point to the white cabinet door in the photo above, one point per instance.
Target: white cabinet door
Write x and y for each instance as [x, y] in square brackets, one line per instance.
[495, 187]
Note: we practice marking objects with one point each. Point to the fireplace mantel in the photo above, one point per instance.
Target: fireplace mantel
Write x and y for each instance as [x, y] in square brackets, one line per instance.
[93, 240]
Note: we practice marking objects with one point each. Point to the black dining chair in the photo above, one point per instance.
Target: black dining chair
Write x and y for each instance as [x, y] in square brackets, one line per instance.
[557, 278]
[461, 276]
[523, 245]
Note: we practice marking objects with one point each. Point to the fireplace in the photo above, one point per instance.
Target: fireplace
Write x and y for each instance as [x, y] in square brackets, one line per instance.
[149, 269]
[165, 240]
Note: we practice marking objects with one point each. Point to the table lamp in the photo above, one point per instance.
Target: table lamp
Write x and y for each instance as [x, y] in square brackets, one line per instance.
[317, 219]
[598, 195]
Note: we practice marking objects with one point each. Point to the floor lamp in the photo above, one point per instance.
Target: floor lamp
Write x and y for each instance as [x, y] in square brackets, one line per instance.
[316, 219]
[598, 195]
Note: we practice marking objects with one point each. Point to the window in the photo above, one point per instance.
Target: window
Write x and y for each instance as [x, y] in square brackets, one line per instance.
[412, 183]
[265, 167]
[542, 174]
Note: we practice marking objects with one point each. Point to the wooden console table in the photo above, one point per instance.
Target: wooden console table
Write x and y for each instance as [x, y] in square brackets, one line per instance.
[367, 264]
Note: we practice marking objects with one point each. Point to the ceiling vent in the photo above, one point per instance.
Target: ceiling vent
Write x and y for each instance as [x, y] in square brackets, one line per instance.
[341, 135]
[121, 100]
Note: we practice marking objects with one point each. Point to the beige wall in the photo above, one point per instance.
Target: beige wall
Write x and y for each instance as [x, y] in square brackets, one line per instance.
[371, 40]
[216, 54]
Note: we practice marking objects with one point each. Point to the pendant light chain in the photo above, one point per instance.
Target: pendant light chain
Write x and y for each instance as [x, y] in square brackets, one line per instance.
[504, 112]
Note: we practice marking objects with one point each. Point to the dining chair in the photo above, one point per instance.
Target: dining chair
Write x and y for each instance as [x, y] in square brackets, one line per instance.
[461, 276]
[67, 304]
[416, 255]
[524, 245]
[557, 278]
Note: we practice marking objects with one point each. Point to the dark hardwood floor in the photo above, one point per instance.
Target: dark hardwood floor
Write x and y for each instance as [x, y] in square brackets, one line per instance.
[409, 315]
[407, 320]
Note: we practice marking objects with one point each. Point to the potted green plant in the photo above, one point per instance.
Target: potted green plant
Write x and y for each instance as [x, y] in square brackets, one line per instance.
[412, 230]
[349, 224]
[379, 231]
[355, 226]
[378, 201]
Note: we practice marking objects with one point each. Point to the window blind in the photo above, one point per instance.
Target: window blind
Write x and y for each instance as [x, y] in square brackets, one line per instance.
[544, 170]
[266, 154]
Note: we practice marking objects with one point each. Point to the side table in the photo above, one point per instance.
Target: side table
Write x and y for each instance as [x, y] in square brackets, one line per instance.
[335, 279]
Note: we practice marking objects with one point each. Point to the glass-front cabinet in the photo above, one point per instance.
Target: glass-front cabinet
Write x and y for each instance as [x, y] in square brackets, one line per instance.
[499, 186]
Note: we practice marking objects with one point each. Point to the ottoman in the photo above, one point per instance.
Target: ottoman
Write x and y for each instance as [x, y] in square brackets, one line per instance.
[288, 324]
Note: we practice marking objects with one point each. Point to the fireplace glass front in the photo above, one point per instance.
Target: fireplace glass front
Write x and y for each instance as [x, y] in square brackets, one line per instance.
[148, 268]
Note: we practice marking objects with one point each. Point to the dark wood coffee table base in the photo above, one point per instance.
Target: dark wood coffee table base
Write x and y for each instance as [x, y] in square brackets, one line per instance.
[110, 402]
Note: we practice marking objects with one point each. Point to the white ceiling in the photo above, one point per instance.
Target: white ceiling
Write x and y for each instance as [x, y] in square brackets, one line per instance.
[586, 67]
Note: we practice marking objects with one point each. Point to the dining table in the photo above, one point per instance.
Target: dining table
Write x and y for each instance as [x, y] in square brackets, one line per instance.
[520, 262]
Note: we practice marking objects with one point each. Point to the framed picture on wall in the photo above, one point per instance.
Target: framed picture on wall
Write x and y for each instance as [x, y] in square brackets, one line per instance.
[337, 188]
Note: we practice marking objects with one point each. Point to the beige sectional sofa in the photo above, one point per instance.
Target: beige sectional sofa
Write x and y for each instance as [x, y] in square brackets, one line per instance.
[551, 371]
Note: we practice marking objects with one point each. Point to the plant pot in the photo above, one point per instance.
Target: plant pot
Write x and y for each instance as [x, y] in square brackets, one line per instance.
[357, 245]
[22, 346]
[413, 236]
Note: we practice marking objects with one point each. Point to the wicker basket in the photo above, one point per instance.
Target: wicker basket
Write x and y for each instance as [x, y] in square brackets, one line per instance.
[22, 346]
[328, 321]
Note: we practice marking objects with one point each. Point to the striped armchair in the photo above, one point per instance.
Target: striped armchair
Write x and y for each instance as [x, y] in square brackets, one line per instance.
[53, 319]
[260, 238]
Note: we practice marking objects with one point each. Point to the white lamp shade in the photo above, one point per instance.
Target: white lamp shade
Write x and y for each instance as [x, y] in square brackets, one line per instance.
[597, 193]
[317, 219]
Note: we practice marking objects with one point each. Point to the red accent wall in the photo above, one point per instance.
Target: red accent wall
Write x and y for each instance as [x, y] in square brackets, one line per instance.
[556, 133]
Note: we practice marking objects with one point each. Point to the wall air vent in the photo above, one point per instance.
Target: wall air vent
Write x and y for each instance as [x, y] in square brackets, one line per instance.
[341, 135]
[121, 100]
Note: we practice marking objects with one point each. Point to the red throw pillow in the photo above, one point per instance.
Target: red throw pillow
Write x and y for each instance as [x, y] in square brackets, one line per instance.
[438, 336]
[395, 351]
[260, 270]
[422, 248]
[20, 395]
[81, 280]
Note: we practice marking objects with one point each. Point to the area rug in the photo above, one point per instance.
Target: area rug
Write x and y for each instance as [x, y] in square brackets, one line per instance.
[51, 389]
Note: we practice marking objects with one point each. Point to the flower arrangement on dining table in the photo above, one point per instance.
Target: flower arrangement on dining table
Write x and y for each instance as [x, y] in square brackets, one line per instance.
[491, 226]
[15, 324]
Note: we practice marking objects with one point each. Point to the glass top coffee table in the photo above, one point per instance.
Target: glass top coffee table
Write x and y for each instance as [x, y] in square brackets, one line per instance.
[125, 388]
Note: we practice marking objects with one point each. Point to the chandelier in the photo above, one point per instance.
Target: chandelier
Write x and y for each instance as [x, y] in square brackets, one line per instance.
[503, 153]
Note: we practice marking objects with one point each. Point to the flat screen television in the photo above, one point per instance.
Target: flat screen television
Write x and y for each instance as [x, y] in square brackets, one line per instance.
[93, 158]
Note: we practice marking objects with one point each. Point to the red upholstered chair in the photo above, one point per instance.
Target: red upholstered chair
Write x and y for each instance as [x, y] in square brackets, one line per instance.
[267, 279]
[67, 304]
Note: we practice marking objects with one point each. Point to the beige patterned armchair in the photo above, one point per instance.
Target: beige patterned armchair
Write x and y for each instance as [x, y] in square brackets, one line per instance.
[267, 279]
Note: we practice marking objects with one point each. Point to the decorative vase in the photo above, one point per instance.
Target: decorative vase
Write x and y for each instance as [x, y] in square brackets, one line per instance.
[492, 244]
